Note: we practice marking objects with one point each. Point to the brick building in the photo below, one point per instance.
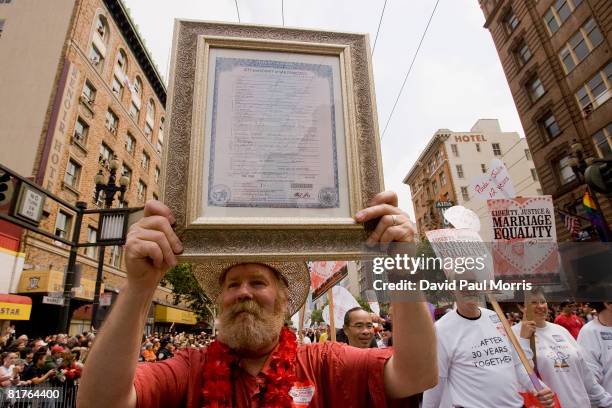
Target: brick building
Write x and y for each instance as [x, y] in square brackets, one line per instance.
[556, 55]
[451, 160]
[78, 88]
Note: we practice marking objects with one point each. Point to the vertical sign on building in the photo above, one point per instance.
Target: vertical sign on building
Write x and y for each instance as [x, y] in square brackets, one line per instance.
[60, 121]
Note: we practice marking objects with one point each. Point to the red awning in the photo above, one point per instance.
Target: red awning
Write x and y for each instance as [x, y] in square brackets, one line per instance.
[22, 300]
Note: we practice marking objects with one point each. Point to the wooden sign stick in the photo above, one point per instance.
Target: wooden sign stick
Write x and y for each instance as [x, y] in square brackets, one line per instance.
[301, 324]
[515, 343]
[332, 323]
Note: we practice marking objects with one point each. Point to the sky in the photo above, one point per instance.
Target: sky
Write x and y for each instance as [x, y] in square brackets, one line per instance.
[456, 79]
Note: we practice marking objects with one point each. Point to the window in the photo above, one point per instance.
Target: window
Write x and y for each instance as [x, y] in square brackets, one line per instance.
[1, 26]
[81, 130]
[478, 147]
[527, 154]
[558, 13]
[438, 157]
[442, 179]
[138, 85]
[96, 58]
[580, 45]
[564, 171]
[459, 171]
[534, 175]
[134, 111]
[102, 28]
[465, 194]
[148, 131]
[483, 167]
[157, 173]
[142, 191]
[112, 122]
[127, 172]
[496, 149]
[130, 143]
[91, 251]
[603, 140]
[117, 87]
[160, 134]
[434, 186]
[535, 89]
[106, 153]
[63, 224]
[455, 150]
[122, 61]
[73, 173]
[89, 93]
[159, 146]
[550, 126]
[145, 160]
[114, 256]
[522, 54]
[151, 111]
[596, 91]
[510, 22]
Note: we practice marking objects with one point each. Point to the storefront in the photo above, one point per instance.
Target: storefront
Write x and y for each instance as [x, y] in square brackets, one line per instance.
[45, 288]
[13, 308]
[167, 317]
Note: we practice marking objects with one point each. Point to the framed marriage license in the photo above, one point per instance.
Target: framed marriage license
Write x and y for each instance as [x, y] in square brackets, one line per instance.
[273, 142]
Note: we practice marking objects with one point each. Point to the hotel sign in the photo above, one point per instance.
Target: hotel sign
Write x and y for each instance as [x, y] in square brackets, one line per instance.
[469, 138]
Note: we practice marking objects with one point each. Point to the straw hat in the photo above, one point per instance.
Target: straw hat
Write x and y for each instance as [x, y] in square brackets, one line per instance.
[295, 275]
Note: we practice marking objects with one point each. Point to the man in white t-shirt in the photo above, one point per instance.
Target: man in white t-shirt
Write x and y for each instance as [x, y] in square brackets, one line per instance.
[477, 366]
[595, 338]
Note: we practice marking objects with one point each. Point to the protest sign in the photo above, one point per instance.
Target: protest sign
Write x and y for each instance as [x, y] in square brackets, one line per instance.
[524, 234]
[461, 217]
[343, 301]
[324, 275]
[373, 301]
[495, 183]
[461, 254]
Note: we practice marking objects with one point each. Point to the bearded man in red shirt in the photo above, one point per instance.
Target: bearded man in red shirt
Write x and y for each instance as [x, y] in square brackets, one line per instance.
[255, 362]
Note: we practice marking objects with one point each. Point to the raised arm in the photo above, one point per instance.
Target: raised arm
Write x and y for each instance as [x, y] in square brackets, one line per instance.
[413, 366]
[150, 251]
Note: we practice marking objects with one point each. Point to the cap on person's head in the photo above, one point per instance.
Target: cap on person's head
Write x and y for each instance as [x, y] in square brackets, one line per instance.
[567, 302]
[57, 349]
[295, 275]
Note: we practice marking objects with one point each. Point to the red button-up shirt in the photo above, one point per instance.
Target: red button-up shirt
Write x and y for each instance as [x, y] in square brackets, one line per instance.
[342, 376]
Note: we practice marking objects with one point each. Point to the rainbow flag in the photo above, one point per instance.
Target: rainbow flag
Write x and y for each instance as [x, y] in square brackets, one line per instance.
[595, 216]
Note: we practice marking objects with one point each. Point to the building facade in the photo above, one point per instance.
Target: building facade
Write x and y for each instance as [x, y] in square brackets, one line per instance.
[452, 160]
[556, 55]
[78, 89]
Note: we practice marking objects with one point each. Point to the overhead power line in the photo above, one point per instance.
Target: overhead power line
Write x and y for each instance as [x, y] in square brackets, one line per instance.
[237, 11]
[409, 70]
[379, 24]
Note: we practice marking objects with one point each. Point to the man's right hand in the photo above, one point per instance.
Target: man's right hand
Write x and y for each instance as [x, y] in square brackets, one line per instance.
[151, 247]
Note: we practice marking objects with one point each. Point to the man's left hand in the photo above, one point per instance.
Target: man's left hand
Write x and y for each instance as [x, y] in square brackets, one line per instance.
[394, 225]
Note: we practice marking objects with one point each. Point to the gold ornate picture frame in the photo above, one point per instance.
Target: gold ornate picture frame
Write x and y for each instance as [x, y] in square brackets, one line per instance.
[272, 144]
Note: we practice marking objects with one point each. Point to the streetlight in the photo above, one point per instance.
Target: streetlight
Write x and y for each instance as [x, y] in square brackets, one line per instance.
[111, 225]
[580, 165]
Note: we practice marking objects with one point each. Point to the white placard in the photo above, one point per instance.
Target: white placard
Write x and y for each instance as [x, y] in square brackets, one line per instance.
[496, 183]
[461, 217]
[343, 302]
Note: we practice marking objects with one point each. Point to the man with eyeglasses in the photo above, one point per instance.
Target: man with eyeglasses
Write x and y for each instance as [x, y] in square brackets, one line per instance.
[358, 327]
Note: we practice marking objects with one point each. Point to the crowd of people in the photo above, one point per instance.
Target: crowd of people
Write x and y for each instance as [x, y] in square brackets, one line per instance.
[464, 359]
